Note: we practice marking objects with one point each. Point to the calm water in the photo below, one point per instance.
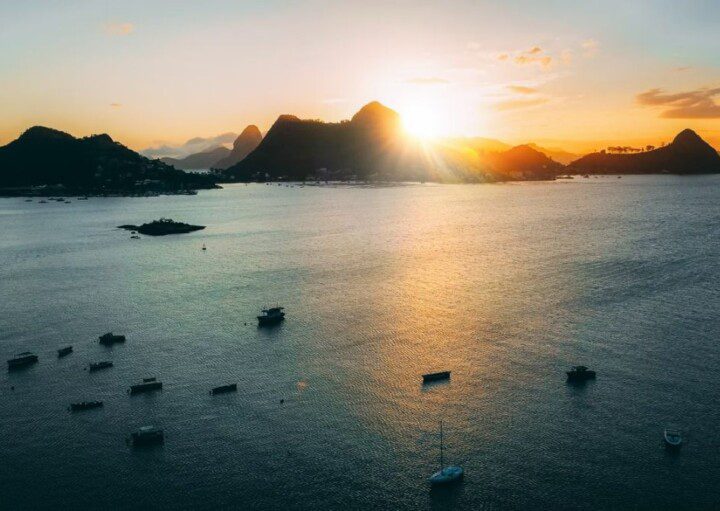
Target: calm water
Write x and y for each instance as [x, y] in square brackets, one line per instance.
[506, 285]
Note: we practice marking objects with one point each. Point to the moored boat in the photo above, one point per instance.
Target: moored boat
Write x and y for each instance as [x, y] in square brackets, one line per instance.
[446, 475]
[580, 374]
[430, 377]
[673, 438]
[271, 316]
[109, 339]
[63, 352]
[96, 366]
[224, 388]
[85, 405]
[141, 388]
[147, 435]
[23, 359]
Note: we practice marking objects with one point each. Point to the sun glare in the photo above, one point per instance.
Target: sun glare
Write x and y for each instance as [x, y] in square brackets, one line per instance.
[421, 121]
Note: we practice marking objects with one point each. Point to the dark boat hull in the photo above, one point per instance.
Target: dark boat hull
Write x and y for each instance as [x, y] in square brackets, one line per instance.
[77, 407]
[18, 363]
[63, 352]
[145, 387]
[266, 321]
[431, 377]
[224, 389]
[580, 377]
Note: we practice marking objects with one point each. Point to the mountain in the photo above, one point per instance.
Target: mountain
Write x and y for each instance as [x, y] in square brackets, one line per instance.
[204, 160]
[686, 154]
[371, 145]
[192, 146]
[246, 143]
[95, 164]
[523, 163]
[557, 154]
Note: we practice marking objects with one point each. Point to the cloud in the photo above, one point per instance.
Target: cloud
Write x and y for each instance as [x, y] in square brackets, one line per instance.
[119, 28]
[534, 55]
[427, 80]
[695, 104]
[516, 104]
[534, 50]
[503, 56]
[683, 68]
[590, 47]
[115, 105]
[522, 89]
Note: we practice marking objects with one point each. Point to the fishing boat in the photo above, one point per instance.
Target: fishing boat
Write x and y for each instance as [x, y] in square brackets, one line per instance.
[430, 377]
[85, 405]
[271, 316]
[204, 247]
[147, 435]
[109, 339]
[96, 366]
[673, 438]
[23, 359]
[144, 387]
[224, 389]
[63, 352]
[446, 475]
[580, 374]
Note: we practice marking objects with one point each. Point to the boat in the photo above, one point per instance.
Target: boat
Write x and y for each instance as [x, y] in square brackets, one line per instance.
[430, 377]
[134, 237]
[446, 475]
[271, 316]
[144, 387]
[23, 359]
[85, 405]
[63, 352]
[148, 435]
[580, 374]
[96, 366]
[673, 438]
[109, 339]
[204, 247]
[224, 388]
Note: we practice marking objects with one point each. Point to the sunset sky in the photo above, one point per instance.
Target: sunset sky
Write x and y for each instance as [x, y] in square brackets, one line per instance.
[579, 75]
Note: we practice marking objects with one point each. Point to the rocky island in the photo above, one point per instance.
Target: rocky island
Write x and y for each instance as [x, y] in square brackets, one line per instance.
[162, 227]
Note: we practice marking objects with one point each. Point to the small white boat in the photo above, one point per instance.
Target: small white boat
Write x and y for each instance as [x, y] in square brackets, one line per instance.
[673, 437]
[446, 475]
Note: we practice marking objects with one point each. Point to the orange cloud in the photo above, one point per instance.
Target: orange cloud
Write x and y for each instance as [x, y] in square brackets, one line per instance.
[119, 28]
[115, 105]
[695, 104]
[515, 104]
[590, 47]
[522, 89]
[534, 55]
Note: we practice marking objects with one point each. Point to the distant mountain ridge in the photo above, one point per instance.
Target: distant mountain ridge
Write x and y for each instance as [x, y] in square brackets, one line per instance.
[686, 154]
[202, 160]
[96, 164]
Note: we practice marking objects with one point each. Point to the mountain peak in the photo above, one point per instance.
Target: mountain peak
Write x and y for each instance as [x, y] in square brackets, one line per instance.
[688, 136]
[376, 113]
[41, 132]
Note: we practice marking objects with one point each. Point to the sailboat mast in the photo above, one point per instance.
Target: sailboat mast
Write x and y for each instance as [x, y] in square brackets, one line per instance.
[441, 446]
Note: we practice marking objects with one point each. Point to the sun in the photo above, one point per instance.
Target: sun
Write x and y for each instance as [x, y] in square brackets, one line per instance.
[421, 121]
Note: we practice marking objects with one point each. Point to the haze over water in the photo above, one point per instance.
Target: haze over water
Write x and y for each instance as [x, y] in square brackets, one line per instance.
[506, 285]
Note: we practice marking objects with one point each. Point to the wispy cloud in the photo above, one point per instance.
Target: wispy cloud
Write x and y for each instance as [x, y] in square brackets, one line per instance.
[683, 68]
[522, 89]
[534, 55]
[695, 104]
[515, 104]
[590, 47]
[115, 105]
[115, 29]
[427, 80]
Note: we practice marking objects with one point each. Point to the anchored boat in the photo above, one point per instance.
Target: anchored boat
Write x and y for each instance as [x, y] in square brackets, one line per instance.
[580, 374]
[96, 366]
[224, 389]
[446, 475]
[271, 316]
[141, 388]
[63, 352]
[85, 405]
[23, 359]
[148, 435]
[109, 339]
[430, 377]
[673, 438]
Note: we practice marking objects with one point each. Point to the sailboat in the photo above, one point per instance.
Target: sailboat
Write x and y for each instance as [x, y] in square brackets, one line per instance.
[204, 247]
[446, 475]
